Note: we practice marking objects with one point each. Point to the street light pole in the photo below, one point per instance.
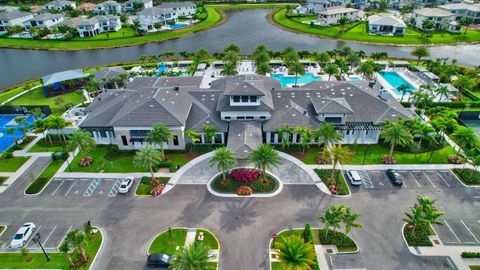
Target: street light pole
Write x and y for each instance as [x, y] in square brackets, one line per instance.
[36, 239]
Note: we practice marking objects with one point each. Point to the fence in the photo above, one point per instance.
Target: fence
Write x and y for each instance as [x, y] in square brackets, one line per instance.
[24, 109]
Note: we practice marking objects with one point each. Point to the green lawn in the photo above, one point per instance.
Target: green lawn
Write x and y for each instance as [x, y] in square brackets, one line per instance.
[125, 32]
[208, 239]
[58, 260]
[44, 177]
[325, 174]
[474, 267]
[57, 104]
[44, 145]
[358, 32]
[213, 19]
[2, 228]
[164, 243]
[233, 6]
[12, 164]
[143, 189]
[16, 90]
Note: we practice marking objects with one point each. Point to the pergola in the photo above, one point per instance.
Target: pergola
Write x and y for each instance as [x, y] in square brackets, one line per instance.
[64, 81]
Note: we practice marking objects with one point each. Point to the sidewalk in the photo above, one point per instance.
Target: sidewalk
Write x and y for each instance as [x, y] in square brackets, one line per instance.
[454, 252]
[108, 175]
[396, 166]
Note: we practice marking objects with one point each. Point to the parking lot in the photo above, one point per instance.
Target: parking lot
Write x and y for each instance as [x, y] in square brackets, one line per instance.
[459, 231]
[51, 236]
[375, 179]
[91, 187]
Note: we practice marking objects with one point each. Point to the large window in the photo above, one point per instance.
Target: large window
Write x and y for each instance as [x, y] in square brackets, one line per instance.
[175, 140]
[218, 138]
[124, 140]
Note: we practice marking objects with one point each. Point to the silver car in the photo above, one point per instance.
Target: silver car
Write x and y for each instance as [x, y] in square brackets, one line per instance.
[354, 178]
[125, 185]
[22, 235]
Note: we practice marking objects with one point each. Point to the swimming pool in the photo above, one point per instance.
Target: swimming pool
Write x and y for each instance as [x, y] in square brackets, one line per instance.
[395, 80]
[354, 78]
[301, 80]
[178, 25]
[7, 121]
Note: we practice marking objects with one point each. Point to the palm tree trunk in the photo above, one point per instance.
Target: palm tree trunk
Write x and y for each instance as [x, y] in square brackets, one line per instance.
[333, 170]
[69, 258]
[161, 148]
[82, 252]
[391, 152]
[264, 174]
[151, 171]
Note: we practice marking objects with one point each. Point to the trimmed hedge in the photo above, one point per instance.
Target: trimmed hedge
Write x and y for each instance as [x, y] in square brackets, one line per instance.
[468, 176]
[470, 254]
[232, 185]
[420, 237]
[336, 238]
[42, 180]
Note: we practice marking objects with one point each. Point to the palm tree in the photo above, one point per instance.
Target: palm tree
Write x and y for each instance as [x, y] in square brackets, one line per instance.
[192, 136]
[209, 131]
[192, 257]
[58, 123]
[232, 47]
[224, 159]
[202, 54]
[395, 134]
[352, 60]
[467, 21]
[261, 48]
[158, 135]
[443, 91]
[322, 58]
[423, 131]
[420, 52]
[403, 89]
[78, 240]
[298, 69]
[11, 132]
[36, 113]
[328, 136]
[231, 57]
[65, 249]
[83, 140]
[430, 211]
[294, 253]
[261, 58]
[331, 218]
[339, 154]
[263, 68]
[264, 157]
[307, 136]
[350, 220]
[229, 69]
[284, 132]
[415, 217]
[331, 69]
[148, 157]
[342, 22]
[465, 137]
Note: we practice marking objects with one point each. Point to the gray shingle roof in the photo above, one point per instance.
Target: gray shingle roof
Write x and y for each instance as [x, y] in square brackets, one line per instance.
[63, 76]
[176, 4]
[243, 137]
[331, 105]
[108, 73]
[12, 15]
[388, 20]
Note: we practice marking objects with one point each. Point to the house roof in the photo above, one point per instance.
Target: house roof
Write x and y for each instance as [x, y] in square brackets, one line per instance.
[243, 137]
[13, 15]
[326, 2]
[108, 73]
[154, 11]
[47, 16]
[86, 6]
[63, 76]
[433, 12]
[387, 20]
[337, 10]
[460, 6]
[108, 3]
[58, 3]
[176, 4]
[331, 105]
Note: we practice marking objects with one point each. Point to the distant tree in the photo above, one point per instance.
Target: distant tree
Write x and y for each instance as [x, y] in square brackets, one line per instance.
[159, 134]
[224, 159]
[428, 25]
[24, 9]
[322, 58]
[229, 69]
[420, 52]
[11, 132]
[231, 56]
[264, 68]
[232, 47]
[466, 22]
[395, 133]
[83, 140]
[209, 131]
[148, 157]
[298, 69]
[331, 69]
[202, 54]
[342, 22]
[403, 88]
[265, 157]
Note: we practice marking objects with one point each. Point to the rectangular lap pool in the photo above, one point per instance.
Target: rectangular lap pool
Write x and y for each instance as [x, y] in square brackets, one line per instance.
[290, 80]
[395, 80]
[7, 121]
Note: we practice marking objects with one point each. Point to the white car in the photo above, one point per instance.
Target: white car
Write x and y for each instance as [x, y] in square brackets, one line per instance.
[354, 178]
[22, 235]
[125, 185]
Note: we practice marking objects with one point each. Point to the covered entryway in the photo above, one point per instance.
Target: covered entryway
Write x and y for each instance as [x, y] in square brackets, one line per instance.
[243, 137]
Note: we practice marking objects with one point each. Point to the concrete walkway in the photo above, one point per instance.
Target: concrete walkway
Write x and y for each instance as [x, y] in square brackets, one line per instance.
[396, 166]
[191, 232]
[454, 252]
[321, 257]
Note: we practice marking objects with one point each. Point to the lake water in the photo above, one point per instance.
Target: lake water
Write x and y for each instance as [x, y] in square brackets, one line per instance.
[247, 28]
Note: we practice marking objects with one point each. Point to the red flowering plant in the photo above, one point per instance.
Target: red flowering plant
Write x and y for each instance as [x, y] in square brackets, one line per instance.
[86, 161]
[245, 176]
[244, 191]
[387, 160]
[158, 190]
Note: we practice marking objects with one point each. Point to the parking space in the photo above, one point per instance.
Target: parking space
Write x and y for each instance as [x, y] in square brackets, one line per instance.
[51, 236]
[93, 187]
[459, 231]
[412, 179]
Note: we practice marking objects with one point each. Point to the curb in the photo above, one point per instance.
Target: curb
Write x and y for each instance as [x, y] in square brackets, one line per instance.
[100, 249]
[45, 186]
[413, 247]
[254, 195]
[461, 182]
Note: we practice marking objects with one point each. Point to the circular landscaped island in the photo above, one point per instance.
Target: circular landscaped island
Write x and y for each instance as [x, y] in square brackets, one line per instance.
[245, 182]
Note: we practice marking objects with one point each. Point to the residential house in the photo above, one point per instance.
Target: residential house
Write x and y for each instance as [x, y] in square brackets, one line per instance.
[9, 19]
[108, 7]
[59, 5]
[386, 25]
[180, 8]
[98, 24]
[331, 15]
[47, 20]
[316, 6]
[86, 8]
[463, 10]
[129, 6]
[246, 110]
[105, 76]
[439, 17]
[149, 17]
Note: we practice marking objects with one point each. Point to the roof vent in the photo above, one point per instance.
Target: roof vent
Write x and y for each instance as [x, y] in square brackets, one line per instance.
[176, 88]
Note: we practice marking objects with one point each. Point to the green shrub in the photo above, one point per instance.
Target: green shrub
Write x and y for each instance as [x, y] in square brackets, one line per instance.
[468, 176]
[336, 238]
[59, 156]
[419, 237]
[37, 185]
[172, 167]
[307, 234]
[7, 155]
[470, 254]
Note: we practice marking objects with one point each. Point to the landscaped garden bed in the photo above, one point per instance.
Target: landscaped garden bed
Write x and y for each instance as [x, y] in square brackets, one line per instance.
[42, 180]
[343, 242]
[418, 236]
[146, 186]
[10, 260]
[168, 241]
[11, 164]
[341, 184]
[52, 144]
[244, 182]
[469, 177]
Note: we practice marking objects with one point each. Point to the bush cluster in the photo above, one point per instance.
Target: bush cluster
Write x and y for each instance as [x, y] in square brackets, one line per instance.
[468, 176]
[245, 176]
[470, 254]
[37, 185]
[244, 191]
[172, 167]
[86, 161]
[336, 238]
[419, 236]
[455, 159]
[387, 160]
[307, 234]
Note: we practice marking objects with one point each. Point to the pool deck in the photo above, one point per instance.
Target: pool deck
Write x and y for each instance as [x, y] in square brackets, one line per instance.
[401, 72]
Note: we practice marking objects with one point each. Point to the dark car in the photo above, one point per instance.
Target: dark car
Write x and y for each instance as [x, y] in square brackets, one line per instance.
[395, 177]
[159, 260]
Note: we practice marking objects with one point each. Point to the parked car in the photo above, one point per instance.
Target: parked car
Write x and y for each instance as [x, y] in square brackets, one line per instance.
[159, 260]
[394, 177]
[22, 235]
[354, 178]
[125, 185]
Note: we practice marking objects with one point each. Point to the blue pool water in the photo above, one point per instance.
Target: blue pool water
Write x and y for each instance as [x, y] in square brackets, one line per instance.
[178, 25]
[6, 122]
[395, 80]
[307, 78]
[354, 78]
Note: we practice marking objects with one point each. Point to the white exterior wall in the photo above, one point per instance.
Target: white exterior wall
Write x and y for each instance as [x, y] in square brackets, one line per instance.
[82, 29]
[18, 21]
[256, 115]
[315, 8]
[108, 9]
[60, 8]
[373, 28]
[125, 131]
[46, 23]
[333, 18]
[440, 22]
[186, 11]
[355, 137]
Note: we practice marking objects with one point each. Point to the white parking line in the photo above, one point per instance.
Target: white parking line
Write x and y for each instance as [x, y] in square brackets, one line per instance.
[415, 179]
[445, 181]
[71, 187]
[69, 228]
[58, 187]
[450, 228]
[91, 187]
[50, 234]
[386, 178]
[367, 182]
[114, 189]
[468, 229]
[428, 178]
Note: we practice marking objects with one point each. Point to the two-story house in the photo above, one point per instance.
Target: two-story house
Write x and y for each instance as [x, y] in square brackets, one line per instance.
[59, 5]
[46, 20]
[98, 24]
[108, 7]
[13, 18]
[129, 5]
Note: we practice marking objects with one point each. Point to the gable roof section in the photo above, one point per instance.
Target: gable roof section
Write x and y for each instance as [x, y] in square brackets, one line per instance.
[244, 89]
[292, 115]
[331, 105]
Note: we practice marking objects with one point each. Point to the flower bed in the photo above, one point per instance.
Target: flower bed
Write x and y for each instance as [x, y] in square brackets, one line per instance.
[419, 237]
[244, 182]
[148, 187]
[343, 242]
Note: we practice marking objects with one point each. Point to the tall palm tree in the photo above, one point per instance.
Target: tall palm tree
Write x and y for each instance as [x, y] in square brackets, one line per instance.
[403, 89]
[65, 249]
[322, 58]
[395, 134]
[350, 220]
[298, 69]
[202, 54]
[192, 257]
[339, 154]
[11, 132]
[443, 91]
[224, 159]
[209, 131]
[229, 69]
[465, 137]
[58, 123]
[331, 69]
[307, 136]
[420, 52]
[328, 136]
[264, 157]
[148, 157]
[83, 140]
[295, 254]
[78, 240]
[263, 69]
[415, 217]
[36, 113]
[332, 218]
[158, 135]
[192, 136]
[284, 132]
[342, 22]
